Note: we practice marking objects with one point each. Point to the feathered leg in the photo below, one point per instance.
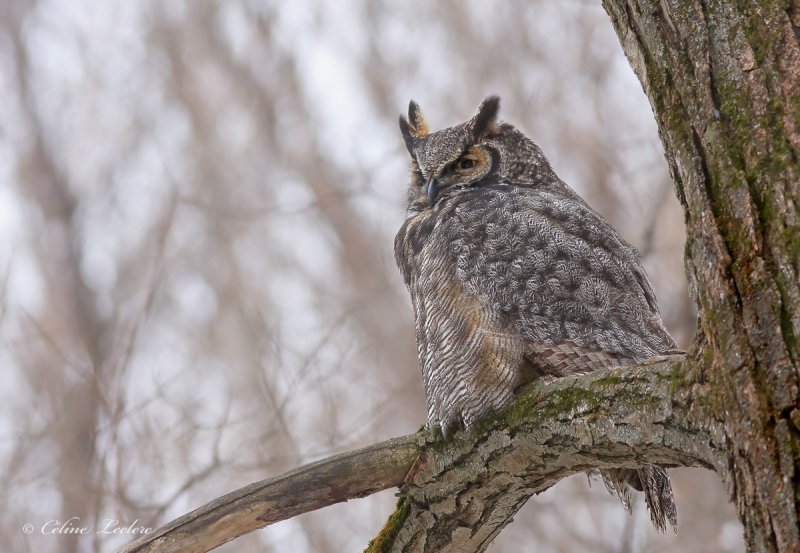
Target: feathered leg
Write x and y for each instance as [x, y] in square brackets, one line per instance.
[654, 482]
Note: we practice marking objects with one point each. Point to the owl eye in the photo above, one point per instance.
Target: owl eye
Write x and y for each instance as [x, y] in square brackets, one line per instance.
[466, 164]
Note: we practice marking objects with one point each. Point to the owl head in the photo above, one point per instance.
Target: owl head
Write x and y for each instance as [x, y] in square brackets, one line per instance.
[478, 152]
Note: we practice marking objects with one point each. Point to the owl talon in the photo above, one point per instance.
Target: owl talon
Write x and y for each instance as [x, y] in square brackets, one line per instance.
[444, 429]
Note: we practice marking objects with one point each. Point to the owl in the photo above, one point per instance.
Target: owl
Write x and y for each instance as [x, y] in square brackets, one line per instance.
[513, 277]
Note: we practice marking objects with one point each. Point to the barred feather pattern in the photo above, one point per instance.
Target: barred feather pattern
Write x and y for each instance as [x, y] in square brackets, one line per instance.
[513, 277]
[654, 482]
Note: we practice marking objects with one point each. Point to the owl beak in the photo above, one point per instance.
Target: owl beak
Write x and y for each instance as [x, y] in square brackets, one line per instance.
[433, 189]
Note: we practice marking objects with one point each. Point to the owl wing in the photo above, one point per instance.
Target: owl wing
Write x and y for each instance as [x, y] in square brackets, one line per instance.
[556, 275]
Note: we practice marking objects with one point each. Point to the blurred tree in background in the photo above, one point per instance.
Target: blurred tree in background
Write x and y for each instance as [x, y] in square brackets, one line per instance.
[197, 207]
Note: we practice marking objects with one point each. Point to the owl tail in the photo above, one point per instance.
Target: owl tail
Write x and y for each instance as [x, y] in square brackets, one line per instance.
[654, 482]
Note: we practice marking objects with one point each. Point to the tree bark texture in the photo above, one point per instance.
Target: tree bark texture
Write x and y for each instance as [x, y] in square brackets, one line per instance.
[723, 79]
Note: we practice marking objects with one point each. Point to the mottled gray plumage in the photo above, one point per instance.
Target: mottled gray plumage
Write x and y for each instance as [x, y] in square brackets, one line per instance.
[513, 276]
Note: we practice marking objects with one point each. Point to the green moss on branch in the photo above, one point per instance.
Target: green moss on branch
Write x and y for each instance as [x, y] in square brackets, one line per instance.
[382, 543]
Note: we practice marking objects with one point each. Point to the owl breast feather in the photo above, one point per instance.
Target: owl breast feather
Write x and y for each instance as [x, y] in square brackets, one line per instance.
[548, 268]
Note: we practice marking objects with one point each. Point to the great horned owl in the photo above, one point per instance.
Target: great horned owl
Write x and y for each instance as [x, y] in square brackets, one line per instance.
[513, 276]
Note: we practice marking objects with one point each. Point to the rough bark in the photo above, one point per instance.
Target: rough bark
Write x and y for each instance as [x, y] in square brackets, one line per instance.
[723, 79]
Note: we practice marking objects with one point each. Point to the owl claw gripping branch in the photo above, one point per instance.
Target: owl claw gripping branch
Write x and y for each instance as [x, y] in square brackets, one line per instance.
[514, 277]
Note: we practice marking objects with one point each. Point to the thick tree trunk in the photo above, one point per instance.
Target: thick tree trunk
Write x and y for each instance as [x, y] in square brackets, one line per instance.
[723, 79]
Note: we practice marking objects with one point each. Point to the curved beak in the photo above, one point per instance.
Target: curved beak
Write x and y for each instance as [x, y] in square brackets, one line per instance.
[433, 188]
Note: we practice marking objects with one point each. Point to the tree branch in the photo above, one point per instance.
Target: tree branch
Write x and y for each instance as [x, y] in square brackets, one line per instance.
[346, 476]
[464, 490]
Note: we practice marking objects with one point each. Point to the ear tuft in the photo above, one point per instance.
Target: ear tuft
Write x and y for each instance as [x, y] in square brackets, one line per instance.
[414, 127]
[485, 117]
[408, 135]
[418, 123]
